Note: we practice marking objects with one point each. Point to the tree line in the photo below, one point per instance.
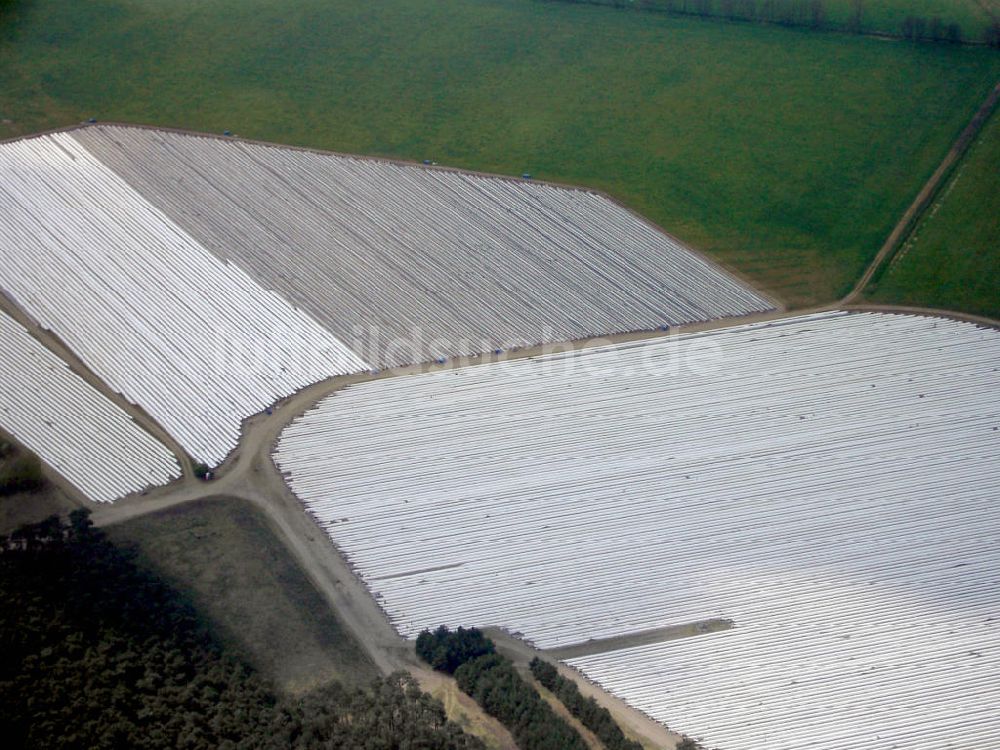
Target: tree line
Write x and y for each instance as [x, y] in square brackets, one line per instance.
[494, 683]
[590, 713]
[100, 653]
[810, 14]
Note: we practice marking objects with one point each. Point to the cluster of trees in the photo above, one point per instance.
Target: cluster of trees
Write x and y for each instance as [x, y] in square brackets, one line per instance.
[493, 682]
[20, 470]
[592, 715]
[446, 650]
[99, 653]
[810, 14]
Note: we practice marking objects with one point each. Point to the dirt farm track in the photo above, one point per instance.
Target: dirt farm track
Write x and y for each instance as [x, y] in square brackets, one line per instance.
[250, 471]
[249, 474]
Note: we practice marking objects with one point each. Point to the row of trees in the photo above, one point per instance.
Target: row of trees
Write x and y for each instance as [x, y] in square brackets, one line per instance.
[493, 682]
[811, 14]
[592, 715]
[99, 653]
[920, 29]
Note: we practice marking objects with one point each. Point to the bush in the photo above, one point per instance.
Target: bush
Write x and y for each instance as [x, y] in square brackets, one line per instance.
[21, 472]
[201, 471]
[592, 715]
[446, 651]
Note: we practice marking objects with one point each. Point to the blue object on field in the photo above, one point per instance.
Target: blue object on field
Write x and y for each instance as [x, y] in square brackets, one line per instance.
[526, 176]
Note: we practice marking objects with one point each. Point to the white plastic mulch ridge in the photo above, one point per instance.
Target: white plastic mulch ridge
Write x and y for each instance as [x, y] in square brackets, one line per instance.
[72, 426]
[419, 263]
[191, 339]
[828, 482]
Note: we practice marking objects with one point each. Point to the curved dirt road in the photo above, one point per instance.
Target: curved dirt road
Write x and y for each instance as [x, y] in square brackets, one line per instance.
[250, 474]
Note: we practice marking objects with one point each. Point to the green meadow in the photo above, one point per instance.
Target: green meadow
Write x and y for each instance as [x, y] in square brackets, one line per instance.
[952, 260]
[785, 154]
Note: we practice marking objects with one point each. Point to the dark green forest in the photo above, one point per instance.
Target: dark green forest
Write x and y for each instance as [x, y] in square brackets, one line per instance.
[96, 652]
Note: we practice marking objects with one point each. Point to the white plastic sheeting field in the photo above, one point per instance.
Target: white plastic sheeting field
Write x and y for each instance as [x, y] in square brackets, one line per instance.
[73, 427]
[829, 482]
[409, 263]
[192, 340]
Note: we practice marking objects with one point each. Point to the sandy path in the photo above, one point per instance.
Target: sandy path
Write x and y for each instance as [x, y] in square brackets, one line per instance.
[56, 345]
[249, 473]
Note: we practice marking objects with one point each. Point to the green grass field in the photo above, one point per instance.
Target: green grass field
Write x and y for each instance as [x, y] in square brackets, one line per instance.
[786, 154]
[953, 257]
[224, 557]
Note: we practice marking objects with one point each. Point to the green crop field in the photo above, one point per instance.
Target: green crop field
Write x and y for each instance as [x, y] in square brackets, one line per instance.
[224, 557]
[952, 260]
[786, 154]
